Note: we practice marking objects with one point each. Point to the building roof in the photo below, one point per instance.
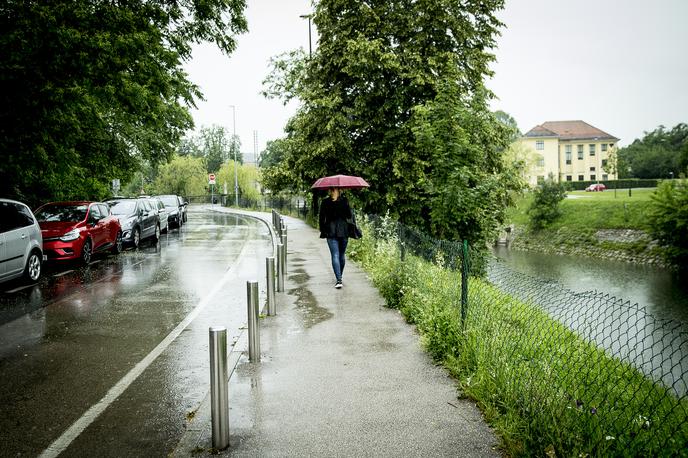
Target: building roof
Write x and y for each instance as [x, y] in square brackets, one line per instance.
[569, 130]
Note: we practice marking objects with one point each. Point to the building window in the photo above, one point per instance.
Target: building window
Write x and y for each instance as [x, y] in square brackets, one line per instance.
[592, 177]
[605, 177]
[541, 161]
[540, 179]
[604, 162]
[568, 148]
[539, 145]
[592, 169]
[580, 152]
[581, 178]
[568, 157]
[591, 146]
[569, 178]
[604, 147]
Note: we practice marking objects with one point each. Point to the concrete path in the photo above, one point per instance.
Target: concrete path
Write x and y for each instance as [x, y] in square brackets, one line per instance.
[340, 375]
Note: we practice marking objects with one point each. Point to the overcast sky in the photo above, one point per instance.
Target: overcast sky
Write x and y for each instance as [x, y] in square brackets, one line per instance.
[620, 65]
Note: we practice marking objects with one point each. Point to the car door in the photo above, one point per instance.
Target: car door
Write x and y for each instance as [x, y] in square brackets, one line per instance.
[17, 239]
[96, 226]
[150, 218]
[110, 228]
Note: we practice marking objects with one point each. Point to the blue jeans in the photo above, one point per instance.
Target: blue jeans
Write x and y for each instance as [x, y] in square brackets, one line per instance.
[337, 248]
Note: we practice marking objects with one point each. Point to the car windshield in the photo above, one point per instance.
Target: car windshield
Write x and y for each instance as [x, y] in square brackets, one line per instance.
[123, 207]
[170, 201]
[71, 213]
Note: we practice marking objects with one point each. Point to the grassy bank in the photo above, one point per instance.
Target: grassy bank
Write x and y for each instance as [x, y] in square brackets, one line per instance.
[544, 389]
[584, 215]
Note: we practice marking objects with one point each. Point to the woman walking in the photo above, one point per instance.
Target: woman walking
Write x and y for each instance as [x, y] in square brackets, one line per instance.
[334, 213]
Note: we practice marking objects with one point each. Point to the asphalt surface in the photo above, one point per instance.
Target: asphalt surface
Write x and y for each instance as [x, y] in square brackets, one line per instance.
[109, 359]
[340, 375]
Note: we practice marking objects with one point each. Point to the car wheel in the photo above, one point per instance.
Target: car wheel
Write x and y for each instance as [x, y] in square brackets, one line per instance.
[86, 252]
[117, 248]
[136, 238]
[156, 237]
[32, 271]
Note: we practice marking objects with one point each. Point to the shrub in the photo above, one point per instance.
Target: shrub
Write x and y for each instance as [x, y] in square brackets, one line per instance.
[545, 207]
[669, 219]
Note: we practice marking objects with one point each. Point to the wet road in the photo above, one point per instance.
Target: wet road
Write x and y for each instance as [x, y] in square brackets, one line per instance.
[109, 359]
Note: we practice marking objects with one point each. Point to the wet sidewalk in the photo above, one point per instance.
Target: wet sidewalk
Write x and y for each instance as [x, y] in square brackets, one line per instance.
[340, 375]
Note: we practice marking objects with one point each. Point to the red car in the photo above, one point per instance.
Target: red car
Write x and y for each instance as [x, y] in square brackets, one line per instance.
[596, 187]
[76, 230]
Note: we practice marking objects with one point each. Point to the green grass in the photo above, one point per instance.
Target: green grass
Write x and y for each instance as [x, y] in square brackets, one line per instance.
[591, 211]
[543, 388]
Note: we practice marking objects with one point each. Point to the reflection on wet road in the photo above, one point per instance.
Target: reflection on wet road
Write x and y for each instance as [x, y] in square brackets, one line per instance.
[67, 341]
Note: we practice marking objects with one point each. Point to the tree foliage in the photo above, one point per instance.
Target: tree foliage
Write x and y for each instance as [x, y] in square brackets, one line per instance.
[183, 175]
[661, 153]
[395, 93]
[90, 88]
[669, 219]
[545, 207]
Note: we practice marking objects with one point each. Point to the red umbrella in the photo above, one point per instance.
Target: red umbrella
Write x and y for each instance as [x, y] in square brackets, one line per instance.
[340, 181]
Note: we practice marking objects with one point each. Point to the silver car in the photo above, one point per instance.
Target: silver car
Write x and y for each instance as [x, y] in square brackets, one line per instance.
[21, 243]
[163, 215]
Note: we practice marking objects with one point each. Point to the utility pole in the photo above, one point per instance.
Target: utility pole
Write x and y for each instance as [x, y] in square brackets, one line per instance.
[236, 164]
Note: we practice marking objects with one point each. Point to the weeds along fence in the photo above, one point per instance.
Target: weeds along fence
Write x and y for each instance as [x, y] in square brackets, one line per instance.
[556, 372]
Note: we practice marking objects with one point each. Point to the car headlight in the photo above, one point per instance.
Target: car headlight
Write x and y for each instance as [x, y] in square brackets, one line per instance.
[127, 223]
[71, 235]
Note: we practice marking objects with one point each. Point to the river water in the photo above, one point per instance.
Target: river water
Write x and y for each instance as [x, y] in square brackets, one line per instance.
[661, 292]
[637, 313]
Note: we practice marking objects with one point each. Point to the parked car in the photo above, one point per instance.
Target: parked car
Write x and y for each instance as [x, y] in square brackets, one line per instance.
[176, 209]
[596, 187]
[163, 214]
[138, 219]
[21, 244]
[77, 230]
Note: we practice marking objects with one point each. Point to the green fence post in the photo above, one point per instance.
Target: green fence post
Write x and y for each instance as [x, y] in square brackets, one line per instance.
[464, 282]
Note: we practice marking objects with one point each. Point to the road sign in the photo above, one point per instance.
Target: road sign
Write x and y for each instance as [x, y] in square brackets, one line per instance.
[211, 178]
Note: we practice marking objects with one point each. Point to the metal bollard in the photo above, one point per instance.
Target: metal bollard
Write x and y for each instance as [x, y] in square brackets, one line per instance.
[253, 326]
[219, 399]
[270, 277]
[280, 268]
[284, 253]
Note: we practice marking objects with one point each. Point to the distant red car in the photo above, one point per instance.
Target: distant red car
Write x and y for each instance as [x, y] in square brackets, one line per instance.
[596, 187]
[76, 230]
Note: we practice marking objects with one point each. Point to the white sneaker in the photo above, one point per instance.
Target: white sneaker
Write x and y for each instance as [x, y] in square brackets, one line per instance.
[338, 285]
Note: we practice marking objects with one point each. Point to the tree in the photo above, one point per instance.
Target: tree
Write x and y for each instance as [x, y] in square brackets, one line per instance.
[395, 93]
[90, 89]
[668, 218]
[509, 121]
[183, 175]
[659, 154]
[545, 207]
[247, 178]
[612, 165]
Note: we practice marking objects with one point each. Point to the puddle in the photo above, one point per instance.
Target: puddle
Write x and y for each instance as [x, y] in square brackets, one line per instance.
[299, 276]
[307, 306]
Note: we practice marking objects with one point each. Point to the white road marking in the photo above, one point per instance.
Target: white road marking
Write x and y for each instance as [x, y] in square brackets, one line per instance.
[20, 288]
[61, 443]
[63, 273]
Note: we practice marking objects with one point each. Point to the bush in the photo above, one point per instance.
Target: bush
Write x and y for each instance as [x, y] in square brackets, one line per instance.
[669, 219]
[545, 207]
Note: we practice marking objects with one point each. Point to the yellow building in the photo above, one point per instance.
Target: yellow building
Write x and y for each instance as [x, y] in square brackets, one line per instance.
[570, 150]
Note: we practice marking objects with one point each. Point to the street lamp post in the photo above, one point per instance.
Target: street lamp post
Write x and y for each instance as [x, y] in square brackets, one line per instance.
[236, 180]
[309, 17]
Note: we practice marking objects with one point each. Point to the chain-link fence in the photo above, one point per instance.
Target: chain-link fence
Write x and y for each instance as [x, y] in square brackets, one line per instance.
[589, 373]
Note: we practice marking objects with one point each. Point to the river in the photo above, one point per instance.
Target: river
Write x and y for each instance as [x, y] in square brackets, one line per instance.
[662, 293]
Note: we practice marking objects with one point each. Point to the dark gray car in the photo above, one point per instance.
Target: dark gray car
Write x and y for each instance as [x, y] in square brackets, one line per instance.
[176, 209]
[138, 218]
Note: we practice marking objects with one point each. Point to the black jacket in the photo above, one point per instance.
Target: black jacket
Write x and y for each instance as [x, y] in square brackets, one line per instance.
[333, 218]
